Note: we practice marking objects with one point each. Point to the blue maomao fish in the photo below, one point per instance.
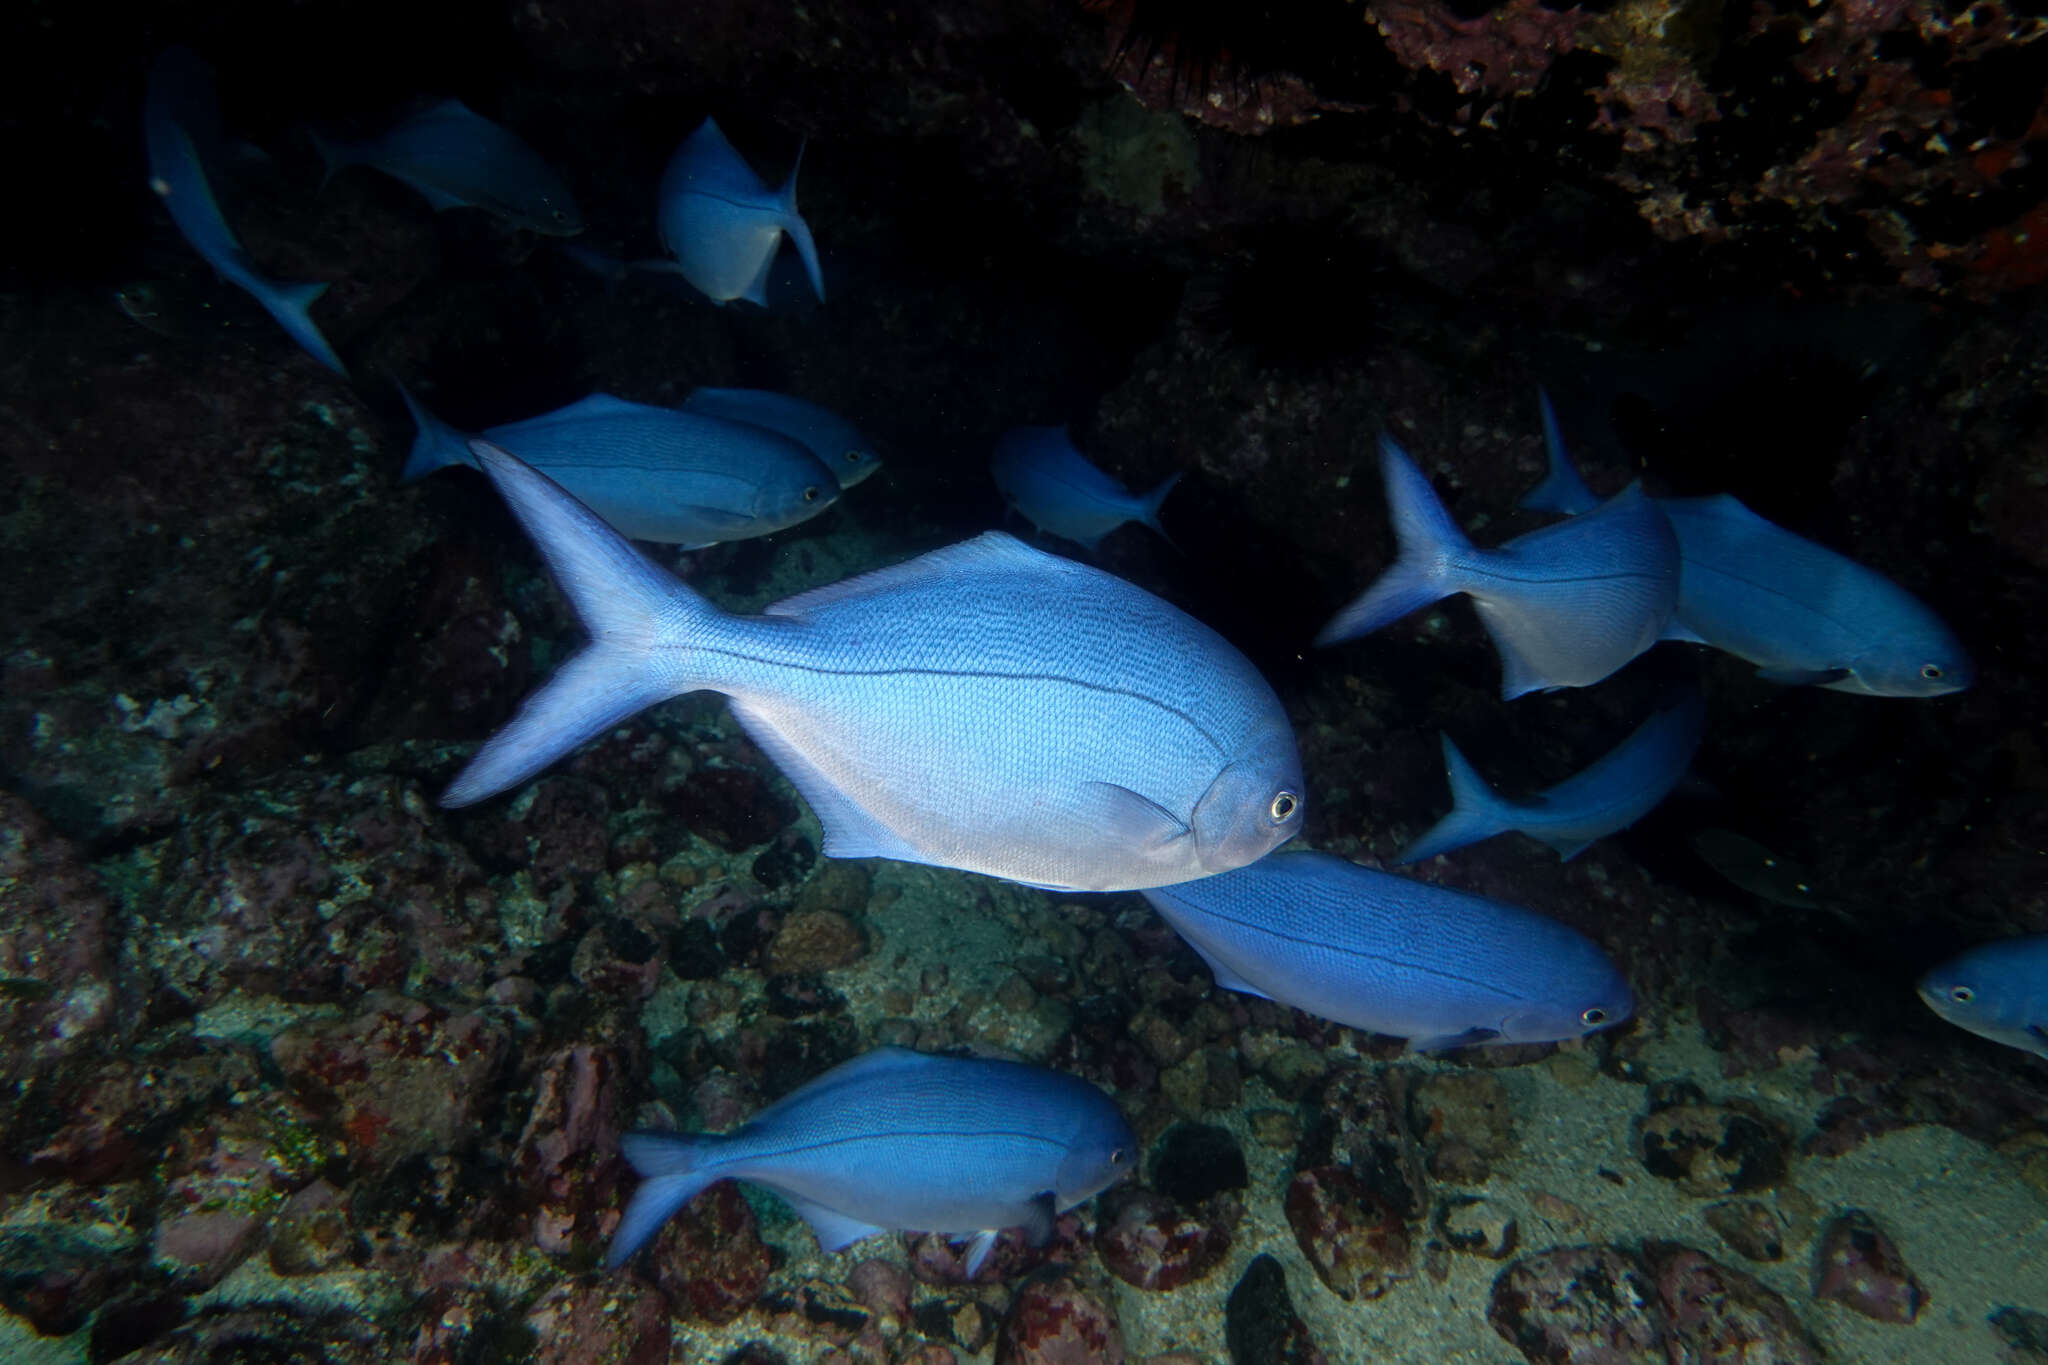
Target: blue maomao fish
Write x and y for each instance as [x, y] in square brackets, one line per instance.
[723, 224]
[1440, 968]
[836, 442]
[1061, 493]
[986, 706]
[181, 126]
[1798, 611]
[458, 158]
[1755, 868]
[1618, 789]
[1566, 605]
[1997, 991]
[677, 478]
[901, 1141]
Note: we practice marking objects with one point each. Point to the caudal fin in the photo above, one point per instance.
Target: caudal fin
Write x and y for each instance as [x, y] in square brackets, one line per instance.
[624, 600]
[437, 445]
[673, 1169]
[1562, 490]
[1149, 505]
[799, 231]
[1425, 534]
[290, 304]
[1475, 812]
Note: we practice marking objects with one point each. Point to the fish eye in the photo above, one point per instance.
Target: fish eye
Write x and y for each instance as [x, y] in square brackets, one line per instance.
[1594, 1016]
[1930, 671]
[855, 456]
[1284, 806]
[1117, 1157]
[811, 493]
[1962, 995]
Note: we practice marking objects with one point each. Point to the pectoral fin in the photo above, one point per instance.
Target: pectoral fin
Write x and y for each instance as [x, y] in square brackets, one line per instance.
[1040, 1217]
[1446, 1041]
[1131, 819]
[978, 1250]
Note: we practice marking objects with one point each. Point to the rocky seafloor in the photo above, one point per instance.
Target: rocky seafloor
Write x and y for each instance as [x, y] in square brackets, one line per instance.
[300, 1067]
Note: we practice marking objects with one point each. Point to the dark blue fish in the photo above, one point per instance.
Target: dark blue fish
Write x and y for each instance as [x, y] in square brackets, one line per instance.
[901, 1141]
[985, 706]
[1061, 493]
[675, 478]
[1997, 991]
[1619, 789]
[181, 125]
[723, 224]
[1438, 967]
[836, 442]
[458, 158]
[1566, 605]
[1801, 613]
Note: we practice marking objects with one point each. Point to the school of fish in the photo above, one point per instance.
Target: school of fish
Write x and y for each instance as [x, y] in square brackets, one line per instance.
[994, 708]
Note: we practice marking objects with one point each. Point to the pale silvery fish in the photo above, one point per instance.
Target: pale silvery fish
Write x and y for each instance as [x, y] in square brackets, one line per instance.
[901, 1141]
[1438, 967]
[1055, 487]
[458, 158]
[986, 707]
[1566, 605]
[723, 224]
[675, 478]
[1997, 991]
[181, 125]
[836, 442]
[1618, 789]
[1797, 610]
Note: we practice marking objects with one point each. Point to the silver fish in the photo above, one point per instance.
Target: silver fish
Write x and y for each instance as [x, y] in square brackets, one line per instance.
[986, 707]
[1566, 605]
[723, 225]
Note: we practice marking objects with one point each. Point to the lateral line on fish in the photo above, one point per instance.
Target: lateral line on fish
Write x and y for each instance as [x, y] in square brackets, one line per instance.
[892, 1135]
[1352, 952]
[1778, 593]
[724, 199]
[1548, 579]
[772, 662]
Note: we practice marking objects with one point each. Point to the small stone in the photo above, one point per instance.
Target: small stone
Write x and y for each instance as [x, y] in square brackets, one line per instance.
[815, 941]
[1579, 1306]
[1354, 1240]
[1363, 1124]
[2022, 1336]
[883, 1287]
[840, 886]
[1149, 1241]
[1465, 1122]
[1752, 1227]
[1279, 1129]
[1195, 1161]
[1260, 1326]
[1722, 1316]
[734, 808]
[1293, 1068]
[1163, 1040]
[1711, 1149]
[709, 1258]
[1858, 1266]
[1054, 1320]
[1206, 1079]
[577, 1322]
[311, 1233]
[1479, 1227]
